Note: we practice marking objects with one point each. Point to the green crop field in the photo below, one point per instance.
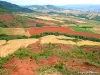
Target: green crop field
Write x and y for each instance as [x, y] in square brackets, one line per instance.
[83, 30]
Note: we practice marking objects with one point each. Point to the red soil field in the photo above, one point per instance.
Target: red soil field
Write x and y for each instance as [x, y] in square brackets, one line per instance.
[38, 47]
[64, 47]
[91, 48]
[37, 31]
[82, 67]
[7, 17]
[32, 24]
[29, 66]
[22, 67]
[53, 60]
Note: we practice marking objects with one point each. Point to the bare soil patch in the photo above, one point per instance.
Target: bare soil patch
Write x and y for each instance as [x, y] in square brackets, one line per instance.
[22, 67]
[53, 60]
[91, 48]
[97, 30]
[38, 47]
[81, 66]
[7, 17]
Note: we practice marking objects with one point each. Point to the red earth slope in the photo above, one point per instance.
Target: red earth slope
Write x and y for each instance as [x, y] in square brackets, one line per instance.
[36, 31]
[7, 17]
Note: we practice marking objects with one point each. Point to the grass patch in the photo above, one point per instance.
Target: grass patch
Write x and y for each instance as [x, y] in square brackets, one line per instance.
[5, 60]
[47, 70]
[5, 72]
[58, 68]
[61, 53]
[44, 68]
[74, 39]
[1, 31]
[89, 57]
[22, 53]
[64, 71]
[83, 30]
[11, 37]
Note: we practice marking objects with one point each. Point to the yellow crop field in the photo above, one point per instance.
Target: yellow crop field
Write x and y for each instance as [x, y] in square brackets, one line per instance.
[13, 45]
[14, 31]
[56, 39]
[2, 42]
[86, 42]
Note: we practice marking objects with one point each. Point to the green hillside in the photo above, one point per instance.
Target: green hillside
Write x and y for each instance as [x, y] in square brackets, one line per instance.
[8, 7]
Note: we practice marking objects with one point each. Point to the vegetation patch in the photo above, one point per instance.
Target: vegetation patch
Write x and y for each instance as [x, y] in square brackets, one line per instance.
[89, 57]
[83, 30]
[69, 35]
[11, 37]
[5, 72]
[58, 69]
[86, 57]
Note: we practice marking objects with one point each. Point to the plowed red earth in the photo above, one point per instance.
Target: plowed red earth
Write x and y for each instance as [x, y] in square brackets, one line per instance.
[91, 48]
[36, 31]
[51, 61]
[7, 17]
[64, 47]
[29, 66]
[22, 67]
[82, 67]
[38, 47]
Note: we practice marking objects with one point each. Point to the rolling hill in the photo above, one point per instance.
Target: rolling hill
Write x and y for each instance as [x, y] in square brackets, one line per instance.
[82, 7]
[9, 7]
[43, 7]
[85, 7]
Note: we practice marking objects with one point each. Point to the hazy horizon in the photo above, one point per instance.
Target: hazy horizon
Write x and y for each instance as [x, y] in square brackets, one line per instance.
[52, 2]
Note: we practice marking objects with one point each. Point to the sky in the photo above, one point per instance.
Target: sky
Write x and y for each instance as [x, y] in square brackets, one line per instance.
[52, 2]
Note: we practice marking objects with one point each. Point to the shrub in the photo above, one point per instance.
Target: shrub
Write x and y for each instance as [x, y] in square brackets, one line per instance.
[39, 25]
[69, 35]
[61, 68]
[10, 37]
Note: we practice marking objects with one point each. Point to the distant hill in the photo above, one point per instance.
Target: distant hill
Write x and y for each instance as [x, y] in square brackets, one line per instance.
[9, 7]
[85, 7]
[43, 7]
